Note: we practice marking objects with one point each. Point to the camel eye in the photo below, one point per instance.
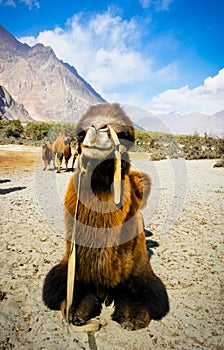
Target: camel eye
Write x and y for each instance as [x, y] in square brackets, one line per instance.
[81, 135]
[124, 135]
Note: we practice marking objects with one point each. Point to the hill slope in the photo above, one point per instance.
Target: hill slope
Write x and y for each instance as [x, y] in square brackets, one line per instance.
[10, 109]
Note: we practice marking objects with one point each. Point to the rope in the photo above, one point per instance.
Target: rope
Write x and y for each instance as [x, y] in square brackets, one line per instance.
[72, 256]
[117, 170]
[92, 325]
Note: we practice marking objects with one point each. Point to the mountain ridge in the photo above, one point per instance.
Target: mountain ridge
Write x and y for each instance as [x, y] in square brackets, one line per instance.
[10, 109]
[48, 88]
[177, 122]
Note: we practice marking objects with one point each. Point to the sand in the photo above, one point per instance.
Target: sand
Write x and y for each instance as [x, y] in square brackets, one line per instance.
[185, 215]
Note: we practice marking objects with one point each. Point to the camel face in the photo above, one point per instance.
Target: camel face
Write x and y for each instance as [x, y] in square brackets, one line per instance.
[97, 143]
[95, 135]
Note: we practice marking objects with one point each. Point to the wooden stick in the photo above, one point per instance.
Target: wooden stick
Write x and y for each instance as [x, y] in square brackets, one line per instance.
[92, 340]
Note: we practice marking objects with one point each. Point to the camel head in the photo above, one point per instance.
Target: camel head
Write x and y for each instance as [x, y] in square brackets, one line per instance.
[101, 128]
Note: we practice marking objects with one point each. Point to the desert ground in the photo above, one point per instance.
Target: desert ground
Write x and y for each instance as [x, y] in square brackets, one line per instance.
[185, 213]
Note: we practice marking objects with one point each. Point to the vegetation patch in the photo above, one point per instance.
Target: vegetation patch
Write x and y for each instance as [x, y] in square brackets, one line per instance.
[157, 145]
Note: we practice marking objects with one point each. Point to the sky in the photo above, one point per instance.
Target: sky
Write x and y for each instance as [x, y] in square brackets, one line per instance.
[160, 55]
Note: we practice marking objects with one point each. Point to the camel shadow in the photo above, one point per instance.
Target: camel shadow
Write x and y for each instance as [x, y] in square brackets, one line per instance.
[4, 191]
[4, 181]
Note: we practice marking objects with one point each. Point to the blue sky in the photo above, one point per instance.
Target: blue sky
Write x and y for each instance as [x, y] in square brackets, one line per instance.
[161, 55]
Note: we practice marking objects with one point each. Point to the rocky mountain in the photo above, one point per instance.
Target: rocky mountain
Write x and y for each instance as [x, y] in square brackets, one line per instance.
[48, 88]
[10, 109]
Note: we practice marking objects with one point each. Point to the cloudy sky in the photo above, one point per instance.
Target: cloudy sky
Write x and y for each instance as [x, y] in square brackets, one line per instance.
[161, 55]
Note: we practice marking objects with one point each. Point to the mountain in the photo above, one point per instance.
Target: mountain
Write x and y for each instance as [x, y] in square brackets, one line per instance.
[48, 88]
[194, 122]
[10, 109]
[177, 122]
[220, 114]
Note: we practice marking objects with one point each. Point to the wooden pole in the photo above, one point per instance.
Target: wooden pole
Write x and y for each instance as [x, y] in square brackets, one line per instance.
[92, 340]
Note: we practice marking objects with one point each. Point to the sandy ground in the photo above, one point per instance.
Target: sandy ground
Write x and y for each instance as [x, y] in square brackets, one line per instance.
[185, 214]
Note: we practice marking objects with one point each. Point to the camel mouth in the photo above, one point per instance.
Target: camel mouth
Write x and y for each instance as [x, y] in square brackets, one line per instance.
[95, 152]
[97, 148]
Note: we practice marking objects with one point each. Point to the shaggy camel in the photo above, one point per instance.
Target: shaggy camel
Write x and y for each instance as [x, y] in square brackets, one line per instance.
[105, 226]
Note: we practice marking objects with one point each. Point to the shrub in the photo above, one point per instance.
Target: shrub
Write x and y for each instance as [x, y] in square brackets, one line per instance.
[14, 128]
[37, 130]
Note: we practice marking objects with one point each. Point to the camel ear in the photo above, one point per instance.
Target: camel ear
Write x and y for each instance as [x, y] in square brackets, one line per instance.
[141, 183]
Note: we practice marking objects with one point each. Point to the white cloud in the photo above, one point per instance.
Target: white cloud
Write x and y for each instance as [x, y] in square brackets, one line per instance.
[160, 5]
[104, 49]
[207, 98]
[31, 3]
[145, 3]
[30, 40]
[15, 3]
[164, 4]
[10, 3]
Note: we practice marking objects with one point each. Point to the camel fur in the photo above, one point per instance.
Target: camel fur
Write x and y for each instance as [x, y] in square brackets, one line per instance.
[62, 148]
